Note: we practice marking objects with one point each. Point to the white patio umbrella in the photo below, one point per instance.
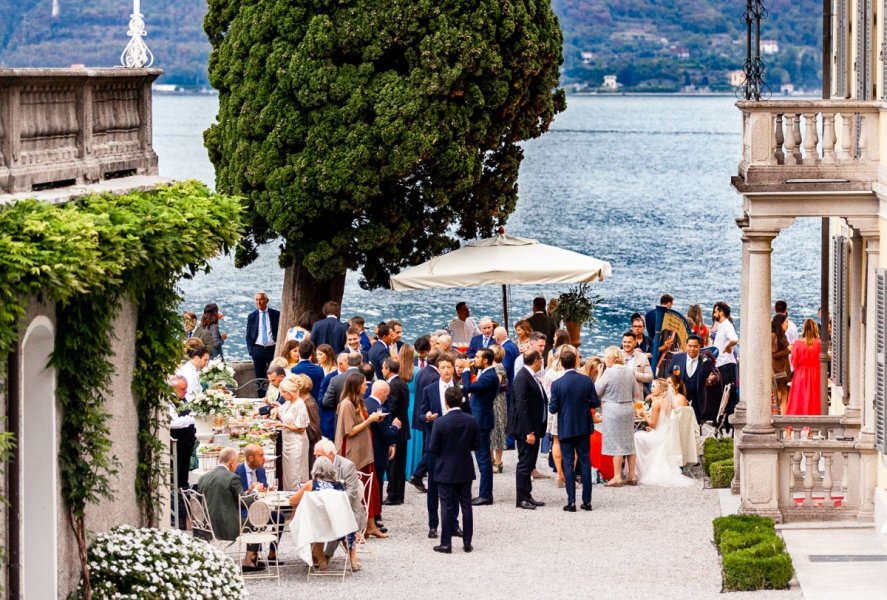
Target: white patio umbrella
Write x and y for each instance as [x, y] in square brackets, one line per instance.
[502, 260]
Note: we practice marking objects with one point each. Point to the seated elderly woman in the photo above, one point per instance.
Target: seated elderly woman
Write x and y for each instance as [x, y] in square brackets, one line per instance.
[324, 477]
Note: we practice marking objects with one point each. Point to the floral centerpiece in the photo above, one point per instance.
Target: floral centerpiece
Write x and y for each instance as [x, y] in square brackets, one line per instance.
[211, 402]
[130, 563]
[217, 374]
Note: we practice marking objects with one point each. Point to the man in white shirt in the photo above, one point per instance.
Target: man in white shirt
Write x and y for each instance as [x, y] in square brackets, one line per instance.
[182, 430]
[463, 327]
[725, 340]
[791, 334]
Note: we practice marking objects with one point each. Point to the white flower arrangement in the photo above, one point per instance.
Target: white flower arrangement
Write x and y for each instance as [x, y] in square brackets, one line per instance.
[217, 374]
[134, 564]
[211, 402]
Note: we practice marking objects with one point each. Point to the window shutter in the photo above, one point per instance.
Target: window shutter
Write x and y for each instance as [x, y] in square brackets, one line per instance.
[839, 336]
[880, 366]
[864, 49]
[841, 50]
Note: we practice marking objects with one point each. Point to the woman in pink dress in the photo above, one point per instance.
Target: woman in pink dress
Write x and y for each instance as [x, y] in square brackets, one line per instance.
[803, 396]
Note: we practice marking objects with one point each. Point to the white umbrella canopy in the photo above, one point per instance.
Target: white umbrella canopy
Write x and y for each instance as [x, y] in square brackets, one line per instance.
[502, 260]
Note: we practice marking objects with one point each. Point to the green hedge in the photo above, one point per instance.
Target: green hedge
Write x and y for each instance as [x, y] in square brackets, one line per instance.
[721, 473]
[715, 450]
[754, 557]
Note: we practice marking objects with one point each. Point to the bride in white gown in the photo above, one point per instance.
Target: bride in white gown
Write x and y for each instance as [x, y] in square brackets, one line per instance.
[658, 449]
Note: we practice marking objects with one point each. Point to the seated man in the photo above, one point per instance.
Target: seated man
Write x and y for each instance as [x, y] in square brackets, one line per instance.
[223, 491]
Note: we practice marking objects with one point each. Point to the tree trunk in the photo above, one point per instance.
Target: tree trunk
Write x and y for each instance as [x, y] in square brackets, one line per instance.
[302, 292]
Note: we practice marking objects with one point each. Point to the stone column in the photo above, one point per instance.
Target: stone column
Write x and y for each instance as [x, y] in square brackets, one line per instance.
[759, 447]
[854, 386]
[872, 249]
[739, 416]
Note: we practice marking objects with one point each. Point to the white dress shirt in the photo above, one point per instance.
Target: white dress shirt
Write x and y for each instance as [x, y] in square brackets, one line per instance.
[443, 386]
[692, 363]
[463, 331]
[268, 333]
[192, 376]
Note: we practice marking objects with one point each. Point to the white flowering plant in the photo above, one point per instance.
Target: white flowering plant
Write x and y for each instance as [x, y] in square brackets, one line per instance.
[217, 374]
[134, 564]
[211, 402]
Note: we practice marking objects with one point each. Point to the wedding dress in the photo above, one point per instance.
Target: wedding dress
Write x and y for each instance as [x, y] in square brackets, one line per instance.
[659, 450]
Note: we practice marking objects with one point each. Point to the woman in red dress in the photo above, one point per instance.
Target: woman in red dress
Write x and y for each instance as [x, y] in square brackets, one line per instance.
[803, 396]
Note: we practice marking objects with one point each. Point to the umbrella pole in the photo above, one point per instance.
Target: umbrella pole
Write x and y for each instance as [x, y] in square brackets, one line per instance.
[505, 305]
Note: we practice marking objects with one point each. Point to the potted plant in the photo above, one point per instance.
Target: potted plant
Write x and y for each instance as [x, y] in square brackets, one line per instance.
[575, 307]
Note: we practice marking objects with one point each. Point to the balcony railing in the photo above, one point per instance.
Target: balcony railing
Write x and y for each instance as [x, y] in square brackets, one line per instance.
[809, 142]
[62, 127]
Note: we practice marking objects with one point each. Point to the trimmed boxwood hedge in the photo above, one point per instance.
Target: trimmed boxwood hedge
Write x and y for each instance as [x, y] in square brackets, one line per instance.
[721, 473]
[715, 450]
[754, 557]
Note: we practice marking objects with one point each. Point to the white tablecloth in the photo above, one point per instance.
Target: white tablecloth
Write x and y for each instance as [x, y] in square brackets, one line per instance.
[322, 516]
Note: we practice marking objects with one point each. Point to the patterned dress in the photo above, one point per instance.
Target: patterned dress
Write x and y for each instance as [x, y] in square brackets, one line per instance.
[500, 412]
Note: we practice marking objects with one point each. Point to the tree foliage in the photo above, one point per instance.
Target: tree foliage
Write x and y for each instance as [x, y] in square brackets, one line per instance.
[369, 133]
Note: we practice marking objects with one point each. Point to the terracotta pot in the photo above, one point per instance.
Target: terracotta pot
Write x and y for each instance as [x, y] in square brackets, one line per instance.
[573, 329]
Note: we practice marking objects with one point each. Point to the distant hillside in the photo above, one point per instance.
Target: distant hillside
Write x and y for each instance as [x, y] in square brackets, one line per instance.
[648, 44]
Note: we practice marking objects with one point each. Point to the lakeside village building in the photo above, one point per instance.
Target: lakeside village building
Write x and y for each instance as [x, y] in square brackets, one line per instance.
[69, 132]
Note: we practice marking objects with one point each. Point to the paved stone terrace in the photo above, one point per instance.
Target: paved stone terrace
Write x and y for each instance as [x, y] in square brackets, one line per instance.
[641, 542]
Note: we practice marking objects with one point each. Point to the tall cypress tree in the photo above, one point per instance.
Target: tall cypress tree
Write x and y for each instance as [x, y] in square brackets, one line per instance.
[369, 134]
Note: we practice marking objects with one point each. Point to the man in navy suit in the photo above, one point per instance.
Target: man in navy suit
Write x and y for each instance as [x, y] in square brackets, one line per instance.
[572, 398]
[484, 339]
[482, 394]
[384, 435]
[697, 373]
[380, 350]
[425, 377]
[512, 352]
[330, 330]
[528, 426]
[353, 344]
[306, 367]
[453, 437]
[261, 332]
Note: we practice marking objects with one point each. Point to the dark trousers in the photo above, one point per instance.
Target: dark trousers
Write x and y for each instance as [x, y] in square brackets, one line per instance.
[422, 468]
[569, 446]
[453, 496]
[262, 357]
[526, 462]
[185, 439]
[728, 375]
[397, 472]
[432, 498]
[485, 465]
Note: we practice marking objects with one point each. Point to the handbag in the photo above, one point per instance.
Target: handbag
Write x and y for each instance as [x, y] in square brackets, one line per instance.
[781, 377]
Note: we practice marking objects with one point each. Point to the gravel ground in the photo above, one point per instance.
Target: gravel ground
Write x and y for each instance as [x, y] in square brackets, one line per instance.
[638, 542]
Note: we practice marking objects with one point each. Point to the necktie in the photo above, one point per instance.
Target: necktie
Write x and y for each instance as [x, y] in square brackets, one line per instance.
[486, 342]
[691, 367]
[263, 328]
[421, 363]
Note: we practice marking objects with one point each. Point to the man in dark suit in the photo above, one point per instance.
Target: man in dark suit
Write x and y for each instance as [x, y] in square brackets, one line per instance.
[453, 437]
[482, 340]
[482, 395]
[541, 322]
[384, 435]
[261, 331]
[330, 330]
[528, 426]
[399, 403]
[572, 398]
[425, 377]
[353, 344]
[306, 367]
[697, 372]
[333, 393]
[380, 350]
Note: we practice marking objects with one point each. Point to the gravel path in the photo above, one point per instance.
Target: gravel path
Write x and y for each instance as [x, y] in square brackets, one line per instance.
[638, 542]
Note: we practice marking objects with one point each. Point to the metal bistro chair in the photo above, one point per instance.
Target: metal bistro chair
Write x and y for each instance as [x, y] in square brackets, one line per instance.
[257, 528]
[201, 526]
[367, 480]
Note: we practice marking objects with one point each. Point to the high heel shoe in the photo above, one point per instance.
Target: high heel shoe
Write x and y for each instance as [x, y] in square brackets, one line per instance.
[497, 467]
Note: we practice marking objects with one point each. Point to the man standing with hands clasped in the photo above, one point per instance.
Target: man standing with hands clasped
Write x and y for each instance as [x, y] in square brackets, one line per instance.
[528, 426]
[454, 436]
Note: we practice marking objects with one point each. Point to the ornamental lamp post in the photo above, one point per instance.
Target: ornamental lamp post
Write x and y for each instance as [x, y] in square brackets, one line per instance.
[136, 55]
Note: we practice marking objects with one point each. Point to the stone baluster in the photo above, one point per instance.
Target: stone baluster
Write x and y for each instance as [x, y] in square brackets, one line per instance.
[847, 123]
[793, 139]
[808, 478]
[796, 469]
[779, 139]
[827, 483]
[829, 156]
[817, 475]
[845, 468]
[811, 139]
[863, 137]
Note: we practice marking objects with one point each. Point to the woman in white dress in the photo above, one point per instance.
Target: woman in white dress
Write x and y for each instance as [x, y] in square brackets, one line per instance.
[293, 415]
[658, 448]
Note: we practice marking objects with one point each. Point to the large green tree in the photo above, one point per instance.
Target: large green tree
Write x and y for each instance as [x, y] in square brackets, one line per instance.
[371, 134]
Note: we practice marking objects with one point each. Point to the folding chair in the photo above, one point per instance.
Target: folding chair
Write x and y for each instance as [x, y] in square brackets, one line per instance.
[257, 528]
[201, 526]
[346, 564]
[367, 481]
[721, 419]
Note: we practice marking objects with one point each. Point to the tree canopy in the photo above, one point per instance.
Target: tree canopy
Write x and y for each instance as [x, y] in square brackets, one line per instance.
[368, 134]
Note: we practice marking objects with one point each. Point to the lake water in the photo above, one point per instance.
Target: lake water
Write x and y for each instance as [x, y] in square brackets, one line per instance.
[642, 182]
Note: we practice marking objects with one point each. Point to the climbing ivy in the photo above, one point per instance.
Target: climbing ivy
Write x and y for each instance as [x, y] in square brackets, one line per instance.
[88, 256]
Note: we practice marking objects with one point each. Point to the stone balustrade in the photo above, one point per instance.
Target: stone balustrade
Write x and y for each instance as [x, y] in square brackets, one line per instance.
[61, 127]
[809, 142]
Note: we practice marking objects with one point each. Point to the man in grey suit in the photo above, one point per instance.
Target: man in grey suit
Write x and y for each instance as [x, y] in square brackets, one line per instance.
[222, 489]
[346, 472]
[337, 384]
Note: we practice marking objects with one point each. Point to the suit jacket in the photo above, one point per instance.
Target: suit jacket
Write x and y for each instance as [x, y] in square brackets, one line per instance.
[431, 401]
[252, 329]
[454, 437]
[378, 353]
[313, 371]
[643, 373]
[334, 389]
[544, 324]
[530, 406]
[511, 353]
[241, 472]
[572, 398]
[399, 402]
[704, 365]
[222, 490]
[346, 472]
[423, 379]
[483, 394]
[329, 330]
[384, 434]
[476, 343]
